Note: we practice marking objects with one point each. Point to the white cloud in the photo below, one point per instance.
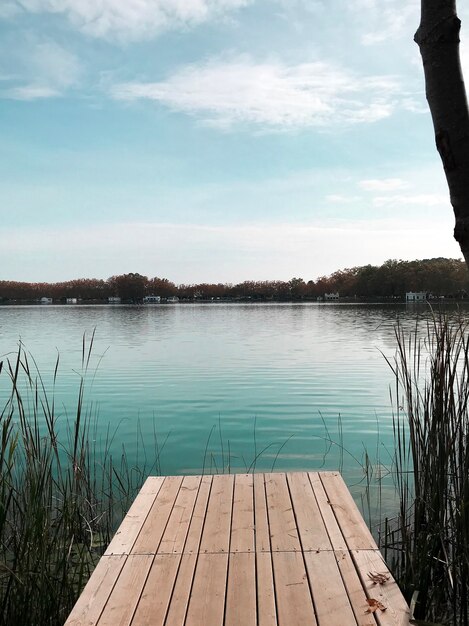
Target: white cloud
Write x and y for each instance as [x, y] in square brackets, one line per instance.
[390, 19]
[48, 70]
[415, 105]
[8, 9]
[134, 19]
[272, 94]
[32, 92]
[426, 200]
[341, 199]
[387, 20]
[383, 184]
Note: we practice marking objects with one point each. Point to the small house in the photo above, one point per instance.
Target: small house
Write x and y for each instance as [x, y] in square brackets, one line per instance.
[416, 296]
[71, 301]
[331, 296]
[46, 300]
[151, 299]
[114, 300]
[173, 299]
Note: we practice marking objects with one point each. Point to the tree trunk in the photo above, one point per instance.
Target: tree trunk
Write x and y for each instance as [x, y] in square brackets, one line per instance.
[438, 40]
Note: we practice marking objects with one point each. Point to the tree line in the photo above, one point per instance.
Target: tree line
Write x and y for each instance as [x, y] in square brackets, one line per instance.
[391, 280]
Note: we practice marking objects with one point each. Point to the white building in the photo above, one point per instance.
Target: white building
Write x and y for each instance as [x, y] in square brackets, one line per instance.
[151, 299]
[114, 300]
[331, 296]
[416, 296]
[173, 299]
[46, 300]
[71, 301]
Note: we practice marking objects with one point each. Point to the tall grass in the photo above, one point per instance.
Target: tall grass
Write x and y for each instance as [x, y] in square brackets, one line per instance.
[427, 543]
[59, 496]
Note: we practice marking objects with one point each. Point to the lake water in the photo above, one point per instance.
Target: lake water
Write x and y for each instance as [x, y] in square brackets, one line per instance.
[279, 380]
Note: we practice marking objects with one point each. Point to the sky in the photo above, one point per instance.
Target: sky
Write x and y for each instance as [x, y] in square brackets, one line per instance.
[215, 140]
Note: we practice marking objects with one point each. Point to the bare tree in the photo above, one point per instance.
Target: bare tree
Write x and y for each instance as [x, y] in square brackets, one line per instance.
[438, 40]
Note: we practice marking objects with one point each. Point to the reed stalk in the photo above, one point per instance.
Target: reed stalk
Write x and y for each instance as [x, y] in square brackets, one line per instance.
[60, 495]
[428, 540]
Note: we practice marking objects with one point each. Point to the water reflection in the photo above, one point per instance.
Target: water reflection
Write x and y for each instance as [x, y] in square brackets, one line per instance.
[293, 380]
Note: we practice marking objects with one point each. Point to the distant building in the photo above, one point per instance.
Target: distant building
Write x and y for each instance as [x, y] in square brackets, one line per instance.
[173, 299]
[331, 296]
[114, 300]
[416, 296]
[151, 299]
[46, 300]
[71, 300]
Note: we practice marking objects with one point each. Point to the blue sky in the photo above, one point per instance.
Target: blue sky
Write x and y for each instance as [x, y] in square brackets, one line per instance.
[215, 140]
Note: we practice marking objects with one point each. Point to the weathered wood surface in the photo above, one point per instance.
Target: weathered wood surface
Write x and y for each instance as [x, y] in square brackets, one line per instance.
[263, 550]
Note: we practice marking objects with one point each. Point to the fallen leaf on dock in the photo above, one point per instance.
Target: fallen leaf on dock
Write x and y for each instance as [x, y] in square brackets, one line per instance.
[374, 605]
[378, 578]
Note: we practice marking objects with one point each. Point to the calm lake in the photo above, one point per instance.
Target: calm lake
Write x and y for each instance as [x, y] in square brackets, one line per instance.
[218, 385]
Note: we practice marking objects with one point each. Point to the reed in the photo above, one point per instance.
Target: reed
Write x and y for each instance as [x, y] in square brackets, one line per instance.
[427, 543]
[60, 498]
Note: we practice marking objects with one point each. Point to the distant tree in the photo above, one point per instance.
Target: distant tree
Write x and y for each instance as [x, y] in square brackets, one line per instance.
[161, 287]
[447, 277]
[130, 287]
[297, 288]
[438, 40]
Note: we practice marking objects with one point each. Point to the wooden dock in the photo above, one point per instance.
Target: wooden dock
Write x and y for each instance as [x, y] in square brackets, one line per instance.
[242, 550]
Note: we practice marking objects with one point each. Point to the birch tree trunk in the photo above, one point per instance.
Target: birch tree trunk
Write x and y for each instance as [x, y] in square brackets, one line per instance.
[438, 40]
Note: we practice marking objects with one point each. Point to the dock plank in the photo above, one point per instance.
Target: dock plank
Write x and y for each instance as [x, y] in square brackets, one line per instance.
[174, 536]
[331, 602]
[354, 587]
[154, 526]
[93, 599]
[261, 522]
[156, 594]
[207, 600]
[265, 550]
[313, 533]
[336, 537]
[198, 516]
[125, 595]
[397, 612]
[241, 605]
[267, 613]
[216, 533]
[177, 610]
[282, 524]
[182, 589]
[129, 530]
[294, 603]
[354, 530]
[242, 521]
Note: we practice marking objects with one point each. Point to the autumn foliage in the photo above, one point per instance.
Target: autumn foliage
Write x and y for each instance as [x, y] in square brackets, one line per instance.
[440, 277]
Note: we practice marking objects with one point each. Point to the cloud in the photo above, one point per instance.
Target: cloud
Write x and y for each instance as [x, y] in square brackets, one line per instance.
[134, 19]
[386, 20]
[415, 105]
[47, 70]
[390, 19]
[383, 184]
[8, 9]
[32, 92]
[427, 200]
[341, 199]
[272, 94]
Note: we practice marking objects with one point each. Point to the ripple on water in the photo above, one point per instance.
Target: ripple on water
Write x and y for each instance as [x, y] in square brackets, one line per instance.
[293, 380]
